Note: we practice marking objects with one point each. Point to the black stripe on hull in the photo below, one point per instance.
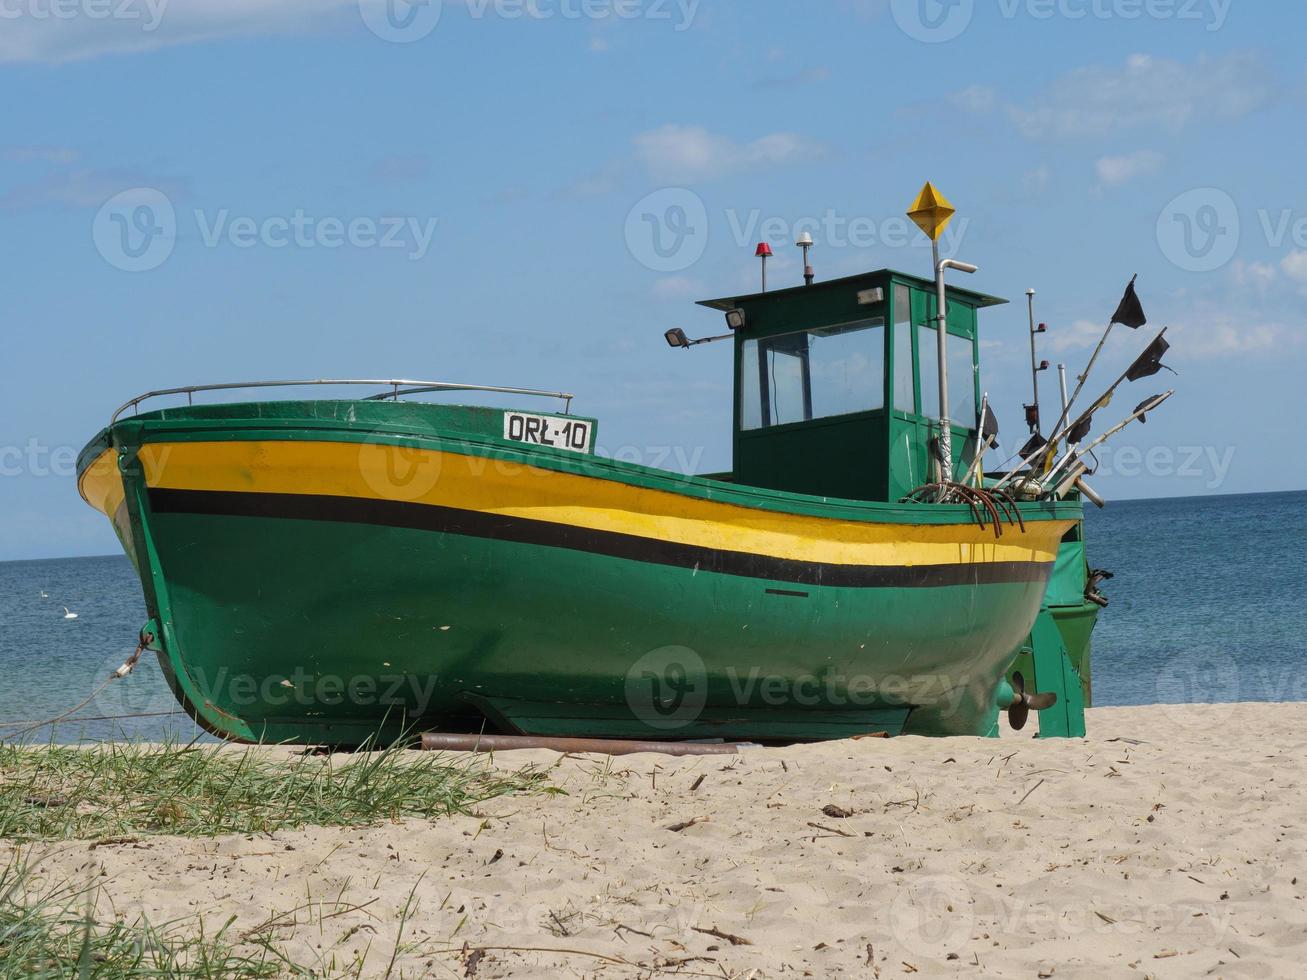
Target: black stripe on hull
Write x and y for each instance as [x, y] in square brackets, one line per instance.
[520, 530]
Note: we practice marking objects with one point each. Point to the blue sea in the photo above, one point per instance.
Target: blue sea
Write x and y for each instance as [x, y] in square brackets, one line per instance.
[1207, 605]
[48, 663]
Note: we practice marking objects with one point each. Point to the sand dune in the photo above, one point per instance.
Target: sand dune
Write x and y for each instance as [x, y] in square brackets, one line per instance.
[1169, 843]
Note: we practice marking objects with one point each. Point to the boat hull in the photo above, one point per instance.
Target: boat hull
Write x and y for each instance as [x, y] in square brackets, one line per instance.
[333, 581]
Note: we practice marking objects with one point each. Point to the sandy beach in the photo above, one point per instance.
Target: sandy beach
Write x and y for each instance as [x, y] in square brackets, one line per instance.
[1169, 843]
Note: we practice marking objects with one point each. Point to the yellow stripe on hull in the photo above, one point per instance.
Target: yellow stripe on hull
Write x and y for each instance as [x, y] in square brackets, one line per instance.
[475, 483]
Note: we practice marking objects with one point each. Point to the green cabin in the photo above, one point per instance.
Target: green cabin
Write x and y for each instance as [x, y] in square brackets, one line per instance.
[837, 384]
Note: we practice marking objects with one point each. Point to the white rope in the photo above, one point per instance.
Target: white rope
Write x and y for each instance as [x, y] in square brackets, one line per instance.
[128, 666]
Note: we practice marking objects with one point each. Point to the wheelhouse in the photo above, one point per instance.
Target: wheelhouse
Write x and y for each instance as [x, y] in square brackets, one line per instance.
[837, 384]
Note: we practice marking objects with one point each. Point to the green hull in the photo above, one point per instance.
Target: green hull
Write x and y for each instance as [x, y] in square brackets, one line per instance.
[320, 617]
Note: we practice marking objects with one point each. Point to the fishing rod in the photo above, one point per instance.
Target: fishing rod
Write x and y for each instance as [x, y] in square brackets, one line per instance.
[1148, 363]
[988, 438]
[1141, 410]
[1129, 313]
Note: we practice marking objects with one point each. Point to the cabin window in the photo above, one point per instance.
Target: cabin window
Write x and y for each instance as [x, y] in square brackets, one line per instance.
[928, 358]
[962, 381]
[961, 376]
[904, 394]
[813, 374]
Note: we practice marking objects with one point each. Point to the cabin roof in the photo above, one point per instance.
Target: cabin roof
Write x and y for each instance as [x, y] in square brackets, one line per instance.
[864, 280]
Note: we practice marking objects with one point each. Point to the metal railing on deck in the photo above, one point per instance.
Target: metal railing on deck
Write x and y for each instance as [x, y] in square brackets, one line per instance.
[398, 389]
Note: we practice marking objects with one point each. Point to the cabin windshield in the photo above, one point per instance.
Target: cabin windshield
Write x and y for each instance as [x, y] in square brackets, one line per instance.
[813, 374]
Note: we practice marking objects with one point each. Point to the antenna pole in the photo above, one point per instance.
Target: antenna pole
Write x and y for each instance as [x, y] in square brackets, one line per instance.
[805, 242]
[1061, 378]
[1034, 364]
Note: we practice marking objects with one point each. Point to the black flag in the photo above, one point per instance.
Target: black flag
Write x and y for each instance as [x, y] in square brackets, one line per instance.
[1080, 430]
[1035, 443]
[989, 426]
[1150, 361]
[1147, 403]
[1130, 313]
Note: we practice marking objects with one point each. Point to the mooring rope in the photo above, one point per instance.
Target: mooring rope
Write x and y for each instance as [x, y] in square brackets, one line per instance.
[128, 665]
[13, 723]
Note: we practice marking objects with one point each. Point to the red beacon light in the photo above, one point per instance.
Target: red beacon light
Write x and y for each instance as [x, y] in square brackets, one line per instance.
[763, 253]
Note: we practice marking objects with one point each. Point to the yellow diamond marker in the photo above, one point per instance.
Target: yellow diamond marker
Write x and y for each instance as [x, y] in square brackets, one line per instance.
[931, 212]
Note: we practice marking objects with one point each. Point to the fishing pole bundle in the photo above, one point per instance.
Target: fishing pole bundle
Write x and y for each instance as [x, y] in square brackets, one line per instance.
[1041, 472]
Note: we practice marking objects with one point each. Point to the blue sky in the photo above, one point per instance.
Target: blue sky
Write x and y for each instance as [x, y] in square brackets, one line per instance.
[363, 190]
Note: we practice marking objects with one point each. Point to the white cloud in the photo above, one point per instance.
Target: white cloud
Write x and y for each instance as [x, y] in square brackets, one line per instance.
[684, 154]
[596, 184]
[1200, 333]
[55, 32]
[1257, 275]
[1115, 171]
[1295, 266]
[1147, 92]
[1081, 335]
[977, 98]
[84, 187]
[1222, 334]
[145, 25]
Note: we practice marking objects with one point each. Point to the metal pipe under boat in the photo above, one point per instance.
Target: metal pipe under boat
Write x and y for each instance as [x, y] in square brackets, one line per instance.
[437, 741]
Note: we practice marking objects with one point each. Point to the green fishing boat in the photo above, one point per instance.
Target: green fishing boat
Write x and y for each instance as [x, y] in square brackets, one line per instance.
[345, 569]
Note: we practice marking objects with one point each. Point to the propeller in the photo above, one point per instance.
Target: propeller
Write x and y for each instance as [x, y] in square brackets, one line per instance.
[1019, 711]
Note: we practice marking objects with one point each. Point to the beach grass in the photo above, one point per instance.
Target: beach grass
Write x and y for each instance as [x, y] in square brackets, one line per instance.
[52, 931]
[127, 790]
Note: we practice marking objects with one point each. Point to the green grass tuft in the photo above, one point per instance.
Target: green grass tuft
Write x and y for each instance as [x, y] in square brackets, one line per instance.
[125, 790]
[53, 932]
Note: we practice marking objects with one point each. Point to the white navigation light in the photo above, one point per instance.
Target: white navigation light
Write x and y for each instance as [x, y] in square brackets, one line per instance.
[805, 242]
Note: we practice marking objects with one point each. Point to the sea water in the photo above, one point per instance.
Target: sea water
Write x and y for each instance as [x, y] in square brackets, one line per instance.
[1207, 605]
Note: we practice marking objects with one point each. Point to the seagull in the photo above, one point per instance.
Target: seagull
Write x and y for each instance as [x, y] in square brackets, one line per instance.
[69, 615]
[44, 594]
